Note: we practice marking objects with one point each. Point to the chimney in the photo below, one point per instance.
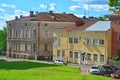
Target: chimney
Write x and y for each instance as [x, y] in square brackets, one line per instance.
[21, 16]
[84, 17]
[16, 17]
[31, 13]
[51, 12]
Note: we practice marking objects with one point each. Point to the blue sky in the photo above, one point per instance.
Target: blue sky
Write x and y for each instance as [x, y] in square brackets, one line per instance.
[11, 8]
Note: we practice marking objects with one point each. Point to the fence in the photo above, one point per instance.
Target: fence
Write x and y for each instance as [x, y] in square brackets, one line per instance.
[115, 63]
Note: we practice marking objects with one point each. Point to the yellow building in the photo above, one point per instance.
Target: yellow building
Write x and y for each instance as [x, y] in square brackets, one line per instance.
[86, 44]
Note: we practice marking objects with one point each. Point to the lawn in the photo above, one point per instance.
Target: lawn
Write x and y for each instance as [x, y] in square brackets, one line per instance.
[25, 70]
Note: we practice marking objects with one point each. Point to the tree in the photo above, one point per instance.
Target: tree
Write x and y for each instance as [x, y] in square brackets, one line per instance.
[3, 42]
[114, 5]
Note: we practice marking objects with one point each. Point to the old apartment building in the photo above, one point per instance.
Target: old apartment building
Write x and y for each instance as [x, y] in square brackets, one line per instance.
[32, 36]
[89, 43]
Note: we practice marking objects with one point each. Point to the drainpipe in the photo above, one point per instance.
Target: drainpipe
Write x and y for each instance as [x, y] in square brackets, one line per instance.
[67, 45]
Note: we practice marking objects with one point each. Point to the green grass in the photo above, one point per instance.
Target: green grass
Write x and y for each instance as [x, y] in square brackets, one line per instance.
[24, 70]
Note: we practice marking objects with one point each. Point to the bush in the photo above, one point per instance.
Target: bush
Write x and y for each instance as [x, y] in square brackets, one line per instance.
[115, 58]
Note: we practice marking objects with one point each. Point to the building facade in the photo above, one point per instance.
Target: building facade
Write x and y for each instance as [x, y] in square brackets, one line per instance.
[115, 25]
[32, 36]
[87, 44]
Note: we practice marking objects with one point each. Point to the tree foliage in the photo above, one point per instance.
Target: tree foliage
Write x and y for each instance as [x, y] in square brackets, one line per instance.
[114, 5]
[3, 42]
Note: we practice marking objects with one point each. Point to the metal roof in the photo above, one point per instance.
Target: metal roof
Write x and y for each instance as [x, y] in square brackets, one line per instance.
[99, 26]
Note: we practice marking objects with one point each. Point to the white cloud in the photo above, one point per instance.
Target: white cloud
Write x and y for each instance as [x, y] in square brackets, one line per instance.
[42, 6]
[4, 18]
[96, 7]
[8, 5]
[73, 8]
[7, 17]
[2, 10]
[53, 6]
[20, 12]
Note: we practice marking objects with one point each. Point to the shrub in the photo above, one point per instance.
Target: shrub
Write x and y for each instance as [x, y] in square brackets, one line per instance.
[115, 58]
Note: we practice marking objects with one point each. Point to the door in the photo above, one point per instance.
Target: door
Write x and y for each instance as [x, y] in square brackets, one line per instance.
[82, 59]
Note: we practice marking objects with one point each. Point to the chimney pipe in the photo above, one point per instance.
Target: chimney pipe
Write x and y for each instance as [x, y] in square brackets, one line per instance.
[31, 13]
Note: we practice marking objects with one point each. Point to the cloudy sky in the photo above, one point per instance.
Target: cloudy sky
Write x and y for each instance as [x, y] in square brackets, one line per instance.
[11, 8]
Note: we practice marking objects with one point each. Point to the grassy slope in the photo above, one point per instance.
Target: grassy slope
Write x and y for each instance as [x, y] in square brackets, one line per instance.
[41, 71]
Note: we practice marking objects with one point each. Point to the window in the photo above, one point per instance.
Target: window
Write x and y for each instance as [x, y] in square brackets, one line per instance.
[101, 42]
[10, 33]
[118, 37]
[45, 47]
[71, 54]
[75, 40]
[9, 24]
[95, 41]
[17, 46]
[63, 54]
[34, 33]
[95, 57]
[76, 54]
[101, 58]
[55, 40]
[118, 52]
[17, 33]
[46, 33]
[26, 24]
[70, 40]
[88, 56]
[58, 53]
[118, 24]
[89, 42]
[34, 47]
[25, 47]
[45, 24]
[26, 33]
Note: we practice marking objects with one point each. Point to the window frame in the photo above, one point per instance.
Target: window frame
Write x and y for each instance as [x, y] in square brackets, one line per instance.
[76, 55]
[102, 59]
[58, 53]
[71, 54]
[101, 42]
[89, 57]
[89, 41]
[75, 40]
[95, 57]
[95, 41]
[70, 40]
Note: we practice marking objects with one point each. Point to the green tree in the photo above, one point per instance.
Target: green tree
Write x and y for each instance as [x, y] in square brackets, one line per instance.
[3, 42]
[114, 5]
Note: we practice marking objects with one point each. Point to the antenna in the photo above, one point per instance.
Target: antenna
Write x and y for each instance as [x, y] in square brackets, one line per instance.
[88, 8]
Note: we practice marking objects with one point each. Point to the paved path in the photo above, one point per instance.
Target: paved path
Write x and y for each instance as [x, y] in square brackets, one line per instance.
[84, 68]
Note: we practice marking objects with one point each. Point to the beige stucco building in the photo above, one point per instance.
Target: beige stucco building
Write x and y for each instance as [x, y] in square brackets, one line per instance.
[86, 44]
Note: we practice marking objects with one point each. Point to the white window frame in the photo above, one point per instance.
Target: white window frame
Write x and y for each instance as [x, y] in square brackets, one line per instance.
[76, 55]
[89, 41]
[102, 59]
[89, 56]
[55, 40]
[95, 41]
[95, 57]
[70, 40]
[71, 54]
[75, 40]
